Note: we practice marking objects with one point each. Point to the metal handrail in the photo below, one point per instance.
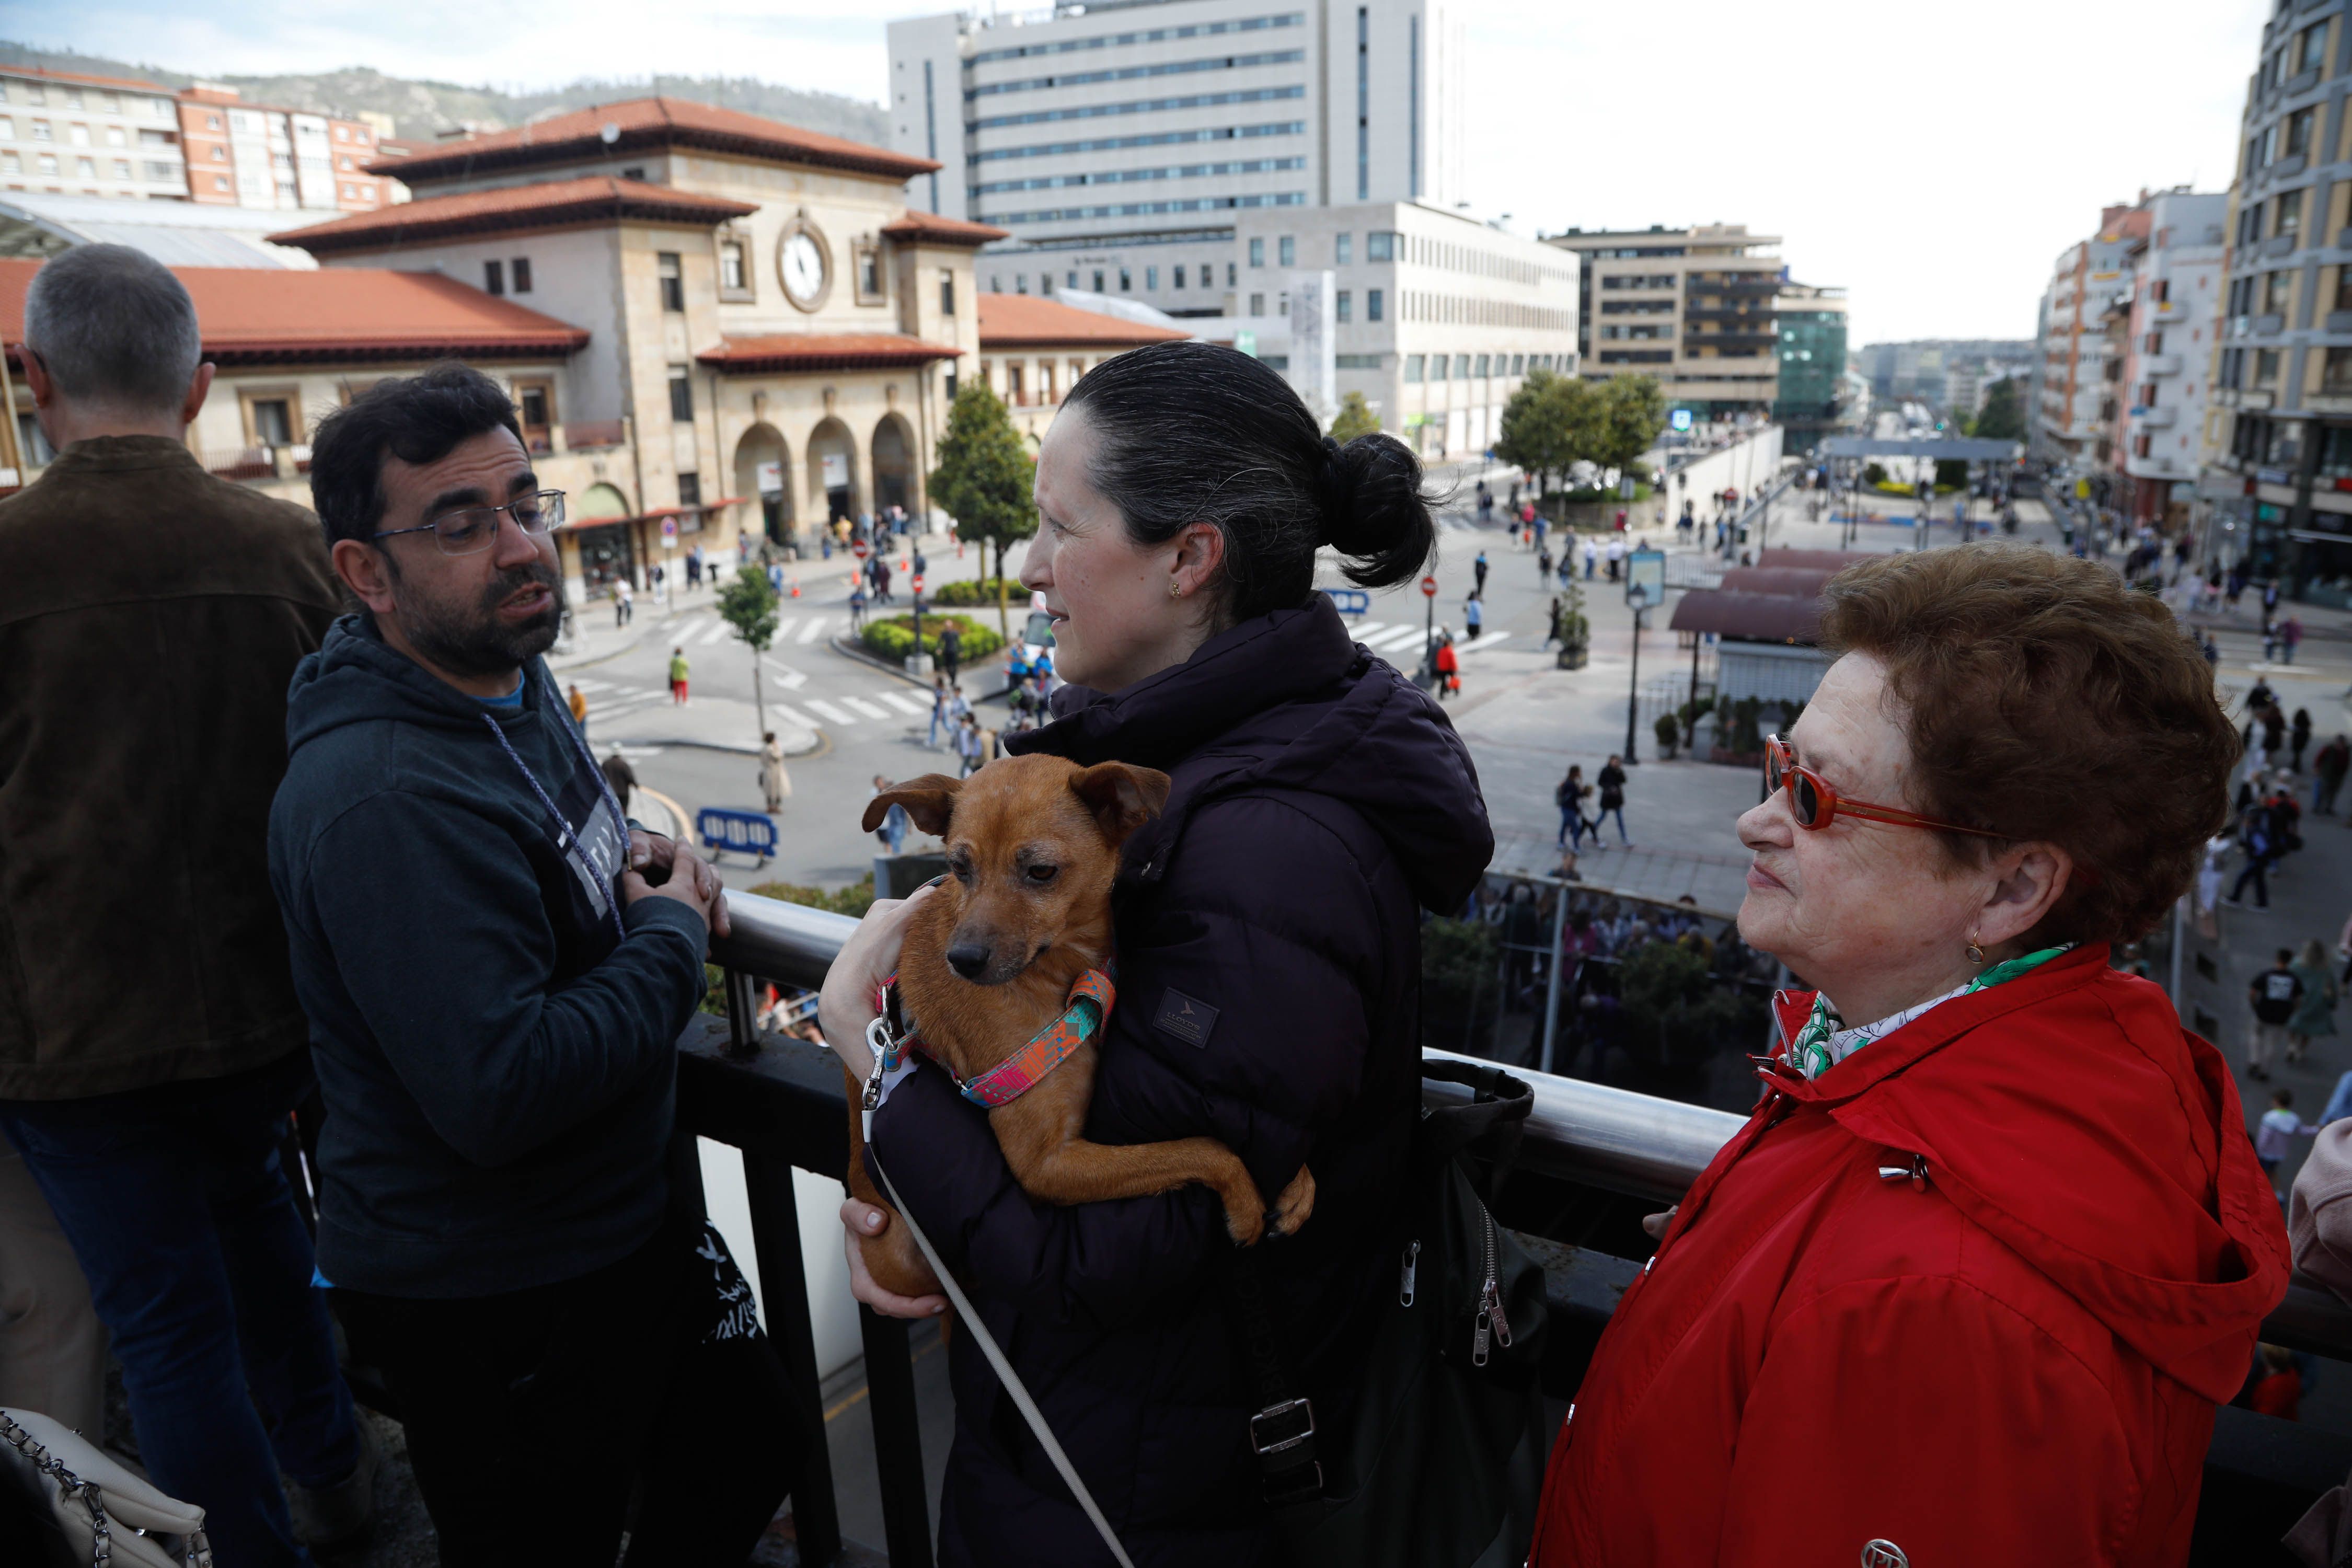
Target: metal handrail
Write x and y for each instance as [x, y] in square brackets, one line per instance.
[1608, 1138]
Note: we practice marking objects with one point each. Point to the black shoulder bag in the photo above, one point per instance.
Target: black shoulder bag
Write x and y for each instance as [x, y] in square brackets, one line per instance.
[1442, 1465]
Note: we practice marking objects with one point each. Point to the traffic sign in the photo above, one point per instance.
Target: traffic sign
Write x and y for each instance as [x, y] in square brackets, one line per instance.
[858, 548]
[1645, 578]
[1350, 601]
[669, 531]
[1429, 587]
[918, 582]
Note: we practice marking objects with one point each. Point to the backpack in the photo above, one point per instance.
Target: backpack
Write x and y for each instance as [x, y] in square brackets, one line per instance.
[1442, 1464]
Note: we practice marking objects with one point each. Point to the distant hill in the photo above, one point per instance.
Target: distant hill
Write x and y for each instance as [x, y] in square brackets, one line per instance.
[422, 110]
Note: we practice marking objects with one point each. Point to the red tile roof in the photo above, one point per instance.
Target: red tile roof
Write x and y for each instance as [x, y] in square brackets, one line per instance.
[590, 199]
[931, 228]
[43, 73]
[1025, 321]
[261, 316]
[824, 350]
[645, 123]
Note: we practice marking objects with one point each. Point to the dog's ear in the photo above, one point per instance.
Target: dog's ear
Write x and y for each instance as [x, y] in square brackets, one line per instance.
[1122, 798]
[930, 802]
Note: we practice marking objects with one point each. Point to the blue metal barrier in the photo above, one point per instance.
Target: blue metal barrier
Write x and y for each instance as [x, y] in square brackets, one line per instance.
[749, 832]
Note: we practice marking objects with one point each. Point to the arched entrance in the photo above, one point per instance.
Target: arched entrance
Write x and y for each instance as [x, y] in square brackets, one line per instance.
[606, 551]
[763, 471]
[832, 470]
[894, 465]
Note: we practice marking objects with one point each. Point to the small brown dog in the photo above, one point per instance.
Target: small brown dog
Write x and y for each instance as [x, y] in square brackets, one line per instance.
[988, 967]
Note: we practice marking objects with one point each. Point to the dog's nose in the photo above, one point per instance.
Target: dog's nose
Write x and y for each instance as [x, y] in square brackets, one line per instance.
[968, 959]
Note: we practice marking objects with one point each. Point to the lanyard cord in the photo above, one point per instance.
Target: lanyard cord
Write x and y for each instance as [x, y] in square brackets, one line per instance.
[568, 840]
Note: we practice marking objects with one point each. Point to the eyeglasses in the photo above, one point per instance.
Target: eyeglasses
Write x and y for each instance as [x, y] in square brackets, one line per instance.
[470, 529]
[1815, 804]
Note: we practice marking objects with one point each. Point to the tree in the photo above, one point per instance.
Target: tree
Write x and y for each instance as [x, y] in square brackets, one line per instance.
[749, 605]
[1552, 422]
[1632, 412]
[2002, 417]
[984, 478]
[1355, 418]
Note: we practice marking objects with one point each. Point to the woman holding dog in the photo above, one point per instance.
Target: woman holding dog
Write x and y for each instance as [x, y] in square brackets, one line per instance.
[1269, 960]
[1970, 1282]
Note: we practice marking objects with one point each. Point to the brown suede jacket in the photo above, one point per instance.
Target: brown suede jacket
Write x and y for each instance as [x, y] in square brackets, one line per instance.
[151, 617]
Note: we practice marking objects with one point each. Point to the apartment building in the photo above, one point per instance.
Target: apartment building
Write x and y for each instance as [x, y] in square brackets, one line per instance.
[1125, 143]
[2160, 345]
[64, 134]
[2071, 379]
[1809, 398]
[253, 155]
[2280, 475]
[1692, 306]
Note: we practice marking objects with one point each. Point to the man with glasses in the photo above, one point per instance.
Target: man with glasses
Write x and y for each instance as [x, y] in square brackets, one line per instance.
[497, 967]
[151, 1045]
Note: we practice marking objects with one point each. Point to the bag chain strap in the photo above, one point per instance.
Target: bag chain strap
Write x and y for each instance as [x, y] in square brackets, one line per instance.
[198, 1553]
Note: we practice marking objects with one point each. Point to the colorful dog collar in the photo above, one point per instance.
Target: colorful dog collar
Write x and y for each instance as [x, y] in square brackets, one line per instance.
[1091, 996]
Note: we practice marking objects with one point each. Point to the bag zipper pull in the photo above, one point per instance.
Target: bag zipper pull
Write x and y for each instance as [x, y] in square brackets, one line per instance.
[1478, 1338]
[1502, 1319]
[1412, 1268]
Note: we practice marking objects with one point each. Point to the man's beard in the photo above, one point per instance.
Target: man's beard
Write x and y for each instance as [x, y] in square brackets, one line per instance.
[475, 640]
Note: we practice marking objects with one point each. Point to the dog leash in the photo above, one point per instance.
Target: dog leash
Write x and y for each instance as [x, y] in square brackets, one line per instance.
[1012, 1380]
[887, 1037]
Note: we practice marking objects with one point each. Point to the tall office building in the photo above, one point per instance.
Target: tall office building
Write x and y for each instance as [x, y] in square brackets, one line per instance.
[65, 133]
[1120, 138]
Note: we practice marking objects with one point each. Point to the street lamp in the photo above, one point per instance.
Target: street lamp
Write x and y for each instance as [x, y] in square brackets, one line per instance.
[1637, 597]
[1428, 640]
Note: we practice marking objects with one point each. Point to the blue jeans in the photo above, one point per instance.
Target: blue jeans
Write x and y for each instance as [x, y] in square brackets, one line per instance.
[201, 1269]
[1606, 813]
[2257, 871]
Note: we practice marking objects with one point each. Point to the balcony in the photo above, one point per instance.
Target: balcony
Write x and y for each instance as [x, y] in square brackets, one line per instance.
[2161, 364]
[1593, 1158]
[2156, 418]
[2279, 245]
[2269, 326]
[589, 435]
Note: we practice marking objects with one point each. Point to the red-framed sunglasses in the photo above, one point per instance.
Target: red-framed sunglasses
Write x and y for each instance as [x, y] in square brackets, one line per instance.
[1815, 804]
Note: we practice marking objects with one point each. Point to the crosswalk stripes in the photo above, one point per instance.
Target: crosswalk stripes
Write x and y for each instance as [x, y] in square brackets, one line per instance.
[811, 631]
[792, 715]
[720, 631]
[827, 712]
[904, 704]
[871, 709]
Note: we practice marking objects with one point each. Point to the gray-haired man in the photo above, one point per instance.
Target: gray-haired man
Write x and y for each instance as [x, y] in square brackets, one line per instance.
[151, 1045]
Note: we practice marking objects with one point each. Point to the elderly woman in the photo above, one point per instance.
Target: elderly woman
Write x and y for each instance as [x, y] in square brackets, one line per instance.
[1967, 1286]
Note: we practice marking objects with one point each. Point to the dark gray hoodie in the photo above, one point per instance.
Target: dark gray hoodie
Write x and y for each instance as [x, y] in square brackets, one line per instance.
[493, 1032]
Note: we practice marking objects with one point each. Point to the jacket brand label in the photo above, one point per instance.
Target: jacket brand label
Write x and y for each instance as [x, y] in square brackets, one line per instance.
[1187, 1018]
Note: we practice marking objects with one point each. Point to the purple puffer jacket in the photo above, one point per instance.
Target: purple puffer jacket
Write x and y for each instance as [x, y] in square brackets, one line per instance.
[1268, 996]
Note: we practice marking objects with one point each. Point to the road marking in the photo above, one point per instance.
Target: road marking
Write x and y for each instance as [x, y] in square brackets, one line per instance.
[790, 679]
[1398, 637]
[719, 630]
[871, 709]
[904, 704]
[594, 686]
[792, 715]
[783, 624]
[828, 711]
[1475, 644]
[811, 632]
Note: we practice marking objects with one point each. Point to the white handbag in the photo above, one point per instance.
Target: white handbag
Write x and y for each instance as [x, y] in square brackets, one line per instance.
[106, 1514]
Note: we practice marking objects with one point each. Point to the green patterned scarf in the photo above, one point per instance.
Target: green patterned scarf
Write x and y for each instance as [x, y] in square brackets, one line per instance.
[1824, 1041]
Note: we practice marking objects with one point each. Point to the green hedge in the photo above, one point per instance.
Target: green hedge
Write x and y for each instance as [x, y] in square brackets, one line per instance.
[895, 637]
[1591, 494]
[979, 591]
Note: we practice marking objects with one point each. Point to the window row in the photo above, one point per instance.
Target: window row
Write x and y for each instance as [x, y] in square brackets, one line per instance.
[1474, 367]
[37, 94]
[1460, 311]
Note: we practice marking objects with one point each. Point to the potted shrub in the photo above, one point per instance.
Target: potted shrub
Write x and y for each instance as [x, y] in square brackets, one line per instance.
[1575, 632]
[1669, 735]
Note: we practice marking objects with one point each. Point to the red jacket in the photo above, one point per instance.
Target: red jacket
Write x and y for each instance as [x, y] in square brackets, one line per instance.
[2011, 1357]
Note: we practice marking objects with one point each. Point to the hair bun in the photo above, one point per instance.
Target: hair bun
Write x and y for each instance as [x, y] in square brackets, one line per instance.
[1375, 511]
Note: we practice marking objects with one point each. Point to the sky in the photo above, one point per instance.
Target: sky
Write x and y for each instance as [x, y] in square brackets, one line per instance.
[1933, 160]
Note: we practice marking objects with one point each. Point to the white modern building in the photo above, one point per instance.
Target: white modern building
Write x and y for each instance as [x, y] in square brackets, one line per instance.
[1122, 144]
[2174, 303]
[1434, 317]
[62, 133]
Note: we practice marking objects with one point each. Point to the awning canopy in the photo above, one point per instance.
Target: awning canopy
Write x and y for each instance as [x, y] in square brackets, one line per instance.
[1963, 447]
[1764, 617]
